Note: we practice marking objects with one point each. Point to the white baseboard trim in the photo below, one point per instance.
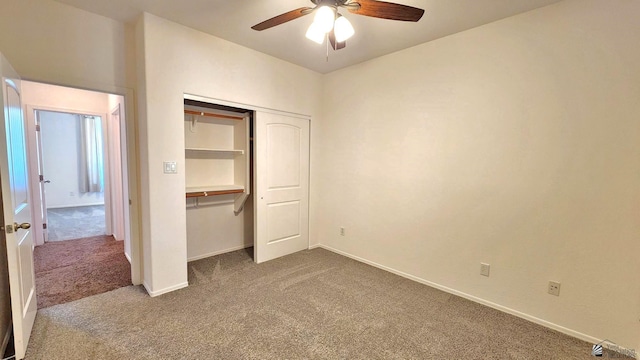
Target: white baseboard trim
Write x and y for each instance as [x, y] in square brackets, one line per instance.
[127, 256]
[219, 252]
[7, 337]
[311, 247]
[550, 325]
[165, 290]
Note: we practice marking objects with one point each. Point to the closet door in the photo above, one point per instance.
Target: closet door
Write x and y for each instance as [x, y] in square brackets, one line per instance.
[281, 179]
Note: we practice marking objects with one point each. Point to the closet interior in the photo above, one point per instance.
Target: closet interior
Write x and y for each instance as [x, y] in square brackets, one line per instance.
[218, 176]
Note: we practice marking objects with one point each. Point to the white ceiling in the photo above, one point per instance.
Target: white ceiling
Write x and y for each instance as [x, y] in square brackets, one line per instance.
[232, 20]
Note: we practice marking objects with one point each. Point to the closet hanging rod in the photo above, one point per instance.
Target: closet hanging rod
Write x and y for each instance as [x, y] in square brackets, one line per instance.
[200, 113]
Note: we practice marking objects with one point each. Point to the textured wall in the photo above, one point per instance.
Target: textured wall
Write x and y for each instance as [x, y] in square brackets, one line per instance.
[179, 60]
[516, 144]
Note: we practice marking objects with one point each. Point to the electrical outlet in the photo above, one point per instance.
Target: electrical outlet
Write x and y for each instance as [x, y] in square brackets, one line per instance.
[341, 231]
[484, 269]
[554, 288]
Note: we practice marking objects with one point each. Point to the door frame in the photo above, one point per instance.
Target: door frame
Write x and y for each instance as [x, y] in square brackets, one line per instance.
[115, 116]
[32, 157]
[255, 109]
[130, 131]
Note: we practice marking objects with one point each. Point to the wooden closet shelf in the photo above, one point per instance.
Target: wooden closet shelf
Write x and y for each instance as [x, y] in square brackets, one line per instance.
[220, 116]
[215, 151]
[213, 190]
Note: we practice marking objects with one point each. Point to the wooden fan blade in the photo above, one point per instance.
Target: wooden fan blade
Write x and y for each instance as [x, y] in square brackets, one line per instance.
[334, 44]
[387, 10]
[282, 18]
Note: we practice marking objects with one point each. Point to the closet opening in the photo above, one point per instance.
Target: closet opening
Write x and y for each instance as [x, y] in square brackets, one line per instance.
[246, 174]
[218, 179]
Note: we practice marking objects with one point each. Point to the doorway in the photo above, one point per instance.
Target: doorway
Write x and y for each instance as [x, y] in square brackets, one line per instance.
[71, 161]
[78, 161]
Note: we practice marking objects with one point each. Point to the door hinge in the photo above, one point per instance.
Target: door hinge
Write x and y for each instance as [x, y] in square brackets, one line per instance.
[41, 177]
[44, 225]
[37, 127]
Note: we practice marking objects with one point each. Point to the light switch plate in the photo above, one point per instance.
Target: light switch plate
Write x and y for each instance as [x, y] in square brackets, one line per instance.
[170, 167]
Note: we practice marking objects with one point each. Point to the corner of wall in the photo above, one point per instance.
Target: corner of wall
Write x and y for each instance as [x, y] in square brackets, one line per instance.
[143, 189]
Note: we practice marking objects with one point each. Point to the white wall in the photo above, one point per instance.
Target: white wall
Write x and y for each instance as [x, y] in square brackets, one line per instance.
[179, 60]
[60, 155]
[51, 42]
[213, 228]
[54, 43]
[516, 144]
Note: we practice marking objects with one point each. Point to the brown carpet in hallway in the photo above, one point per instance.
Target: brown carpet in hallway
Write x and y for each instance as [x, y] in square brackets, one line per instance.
[74, 269]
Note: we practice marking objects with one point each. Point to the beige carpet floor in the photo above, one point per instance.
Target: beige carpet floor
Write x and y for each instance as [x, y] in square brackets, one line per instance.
[75, 222]
[310, 305]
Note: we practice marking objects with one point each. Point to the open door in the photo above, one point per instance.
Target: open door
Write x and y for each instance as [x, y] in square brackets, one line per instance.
[16, 213]
[281, 180]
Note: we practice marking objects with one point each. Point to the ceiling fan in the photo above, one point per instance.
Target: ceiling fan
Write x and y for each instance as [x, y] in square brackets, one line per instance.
[328, 22]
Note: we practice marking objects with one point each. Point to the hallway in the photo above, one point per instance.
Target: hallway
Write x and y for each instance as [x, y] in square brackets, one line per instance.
[75, 222]
[75, 269]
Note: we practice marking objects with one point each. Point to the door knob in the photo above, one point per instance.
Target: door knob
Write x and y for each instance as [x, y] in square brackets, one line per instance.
[23, 226]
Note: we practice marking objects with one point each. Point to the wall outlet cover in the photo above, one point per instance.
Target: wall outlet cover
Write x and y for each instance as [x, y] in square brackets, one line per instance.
[554, 288]
[484, 269]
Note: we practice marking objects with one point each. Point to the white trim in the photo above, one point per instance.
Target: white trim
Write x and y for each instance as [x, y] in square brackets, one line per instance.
[220, 252]
[245, 106]
[548, 324]
[126, 255]
[311, 247]
[7, 337]
[165, 290]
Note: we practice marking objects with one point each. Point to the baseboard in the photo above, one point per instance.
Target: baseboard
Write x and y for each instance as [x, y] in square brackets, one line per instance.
[311, 247]
[165, 290]
[7, 337]
[547, 324]
[219, 252]
[127, 256]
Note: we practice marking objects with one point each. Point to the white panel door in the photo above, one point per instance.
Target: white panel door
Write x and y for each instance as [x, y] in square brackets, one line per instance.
[16, 211]
[281, 180]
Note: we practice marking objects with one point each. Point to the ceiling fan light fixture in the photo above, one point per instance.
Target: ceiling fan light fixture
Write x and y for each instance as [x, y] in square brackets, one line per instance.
[330, 24]
[324, 18]
[343, 29]
[315, 34]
